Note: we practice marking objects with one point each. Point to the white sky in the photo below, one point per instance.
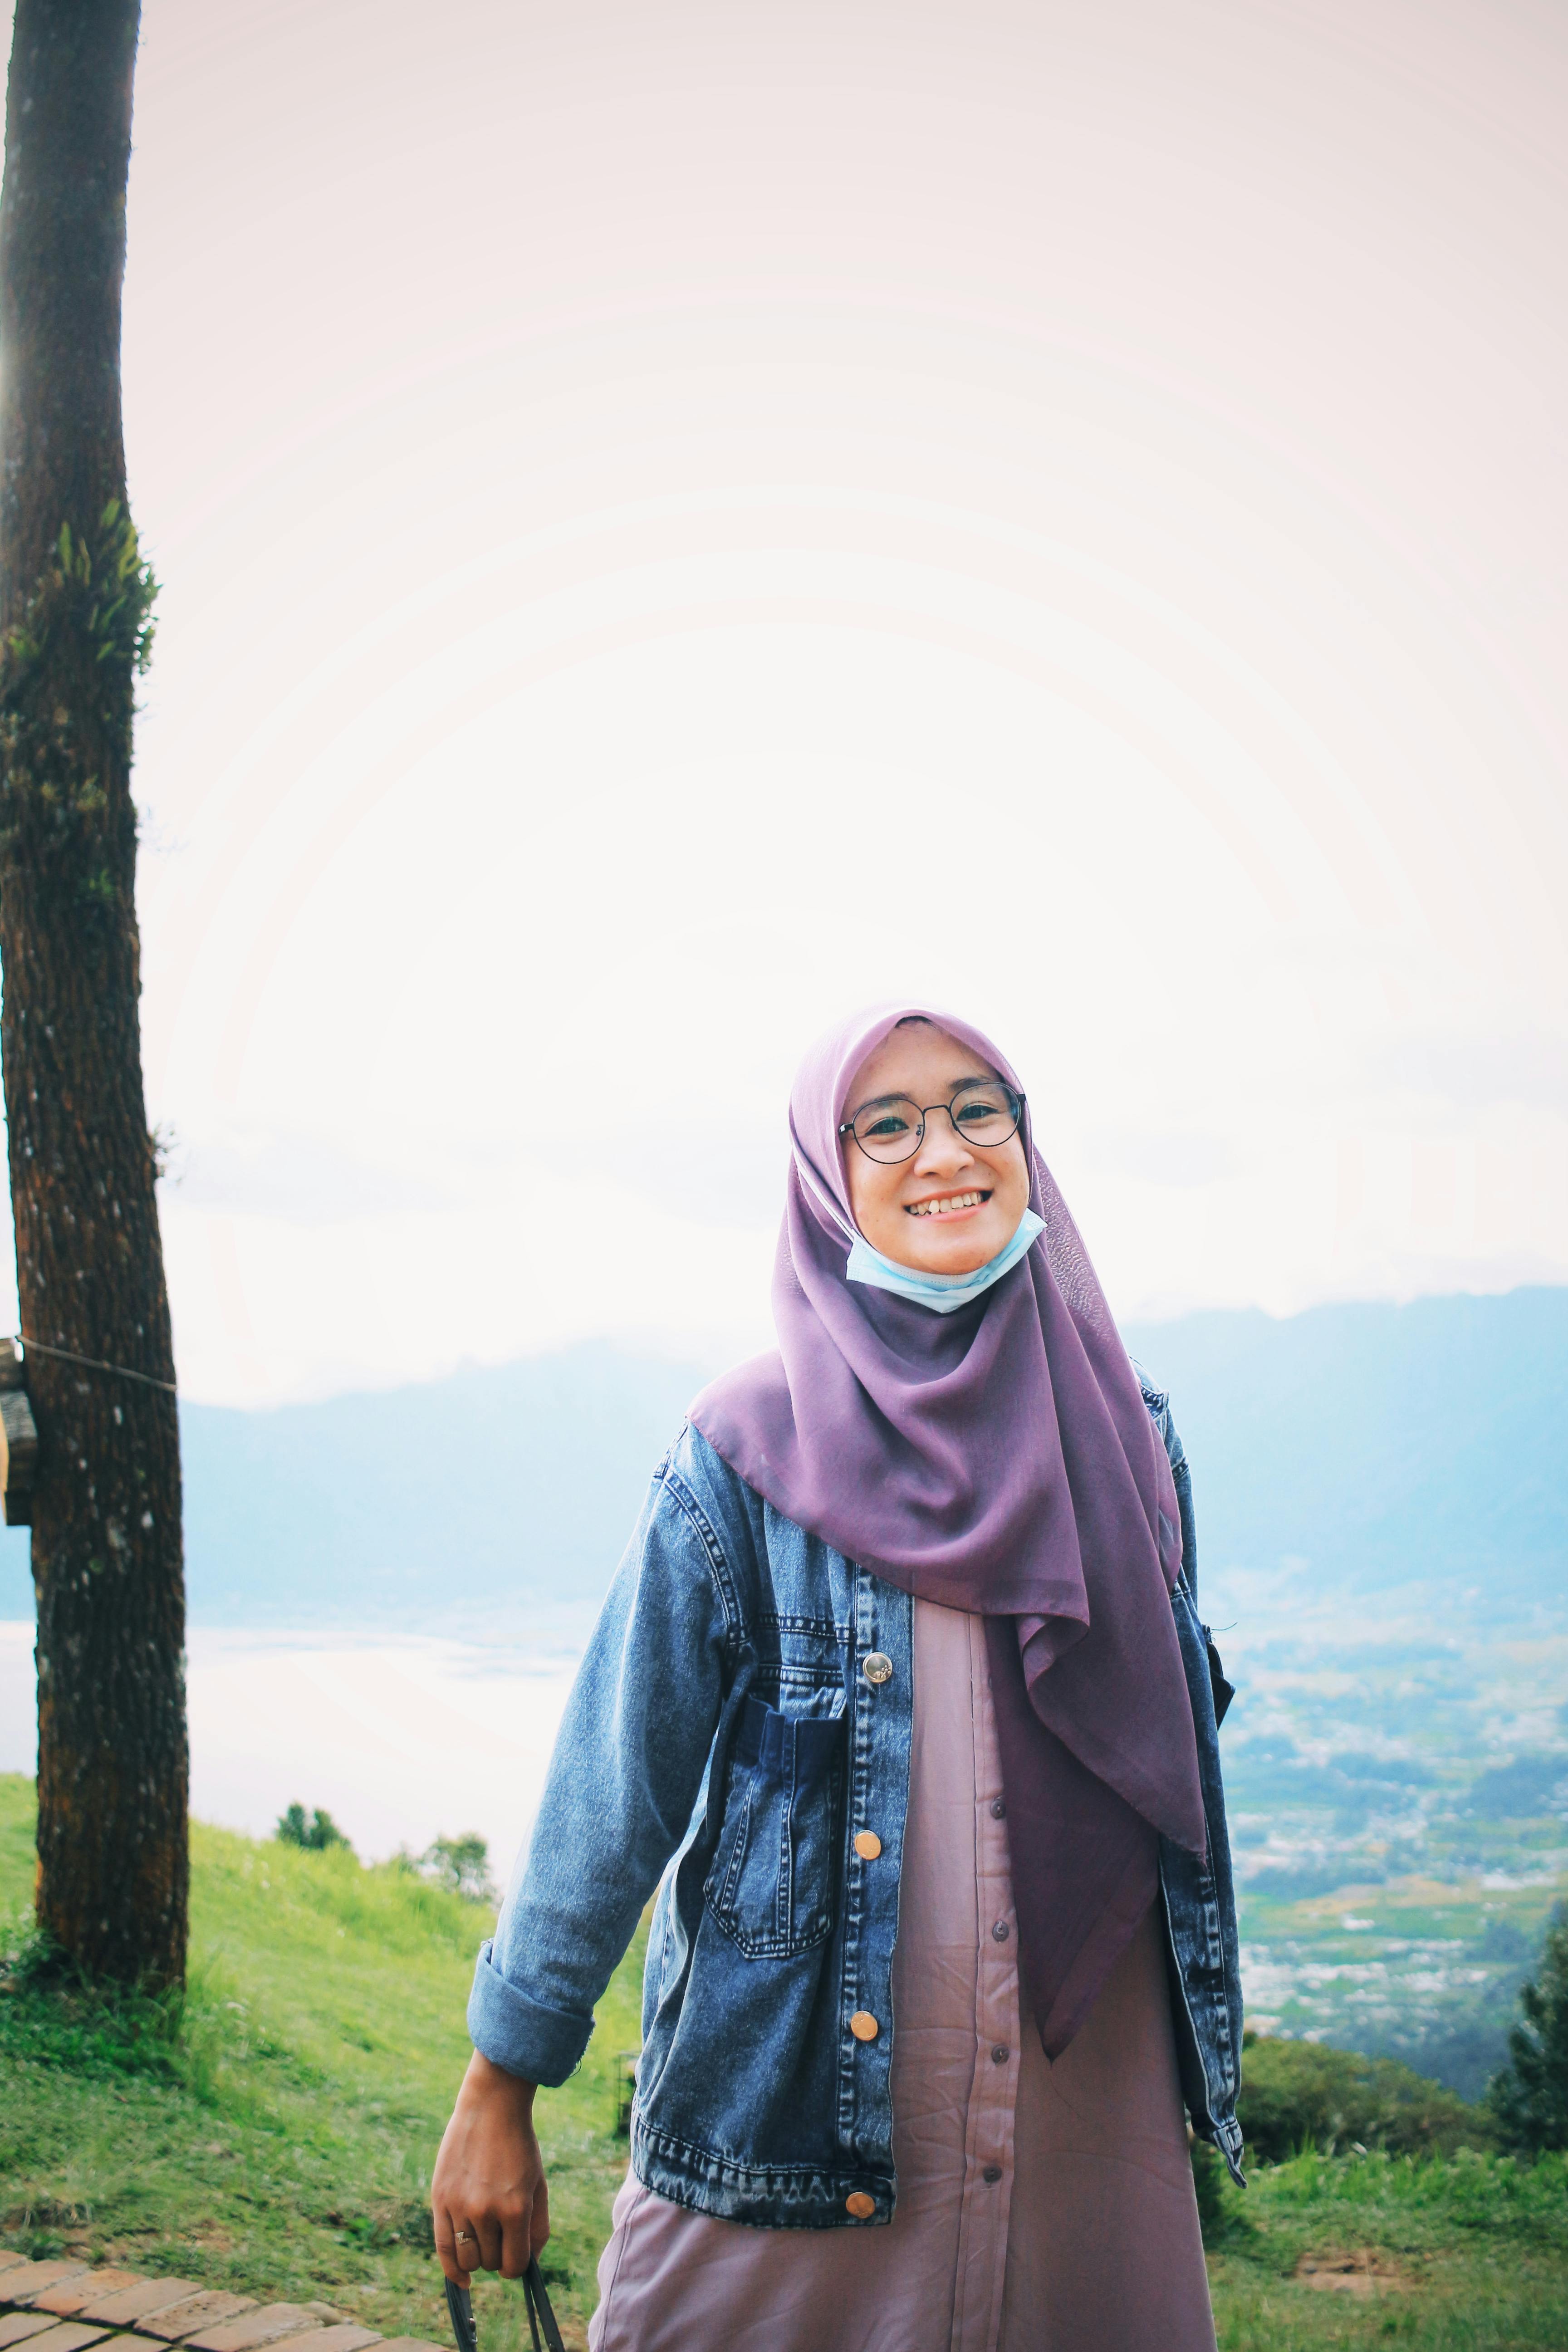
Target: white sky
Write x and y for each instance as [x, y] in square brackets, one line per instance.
[675, 519]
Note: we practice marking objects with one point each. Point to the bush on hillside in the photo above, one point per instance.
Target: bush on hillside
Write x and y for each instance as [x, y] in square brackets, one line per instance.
[1223, 2217]
[315, 1831]
[1530, 2098]
[461, 1864]
[1301, 2094]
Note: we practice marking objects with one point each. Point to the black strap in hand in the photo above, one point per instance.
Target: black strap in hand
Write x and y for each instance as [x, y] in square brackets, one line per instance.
[460, 2305]
[542, 2321]
[539, 2316]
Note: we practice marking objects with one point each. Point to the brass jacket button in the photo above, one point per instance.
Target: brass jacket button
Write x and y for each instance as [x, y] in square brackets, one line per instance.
[868, 1844]
[863, 2026]
[878, 1666]
[860, 2205]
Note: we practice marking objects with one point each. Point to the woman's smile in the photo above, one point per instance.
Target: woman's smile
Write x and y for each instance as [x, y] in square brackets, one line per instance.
[947, 1204]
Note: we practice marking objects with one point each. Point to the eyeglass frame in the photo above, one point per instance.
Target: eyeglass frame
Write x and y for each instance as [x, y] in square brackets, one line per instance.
[846, 1126]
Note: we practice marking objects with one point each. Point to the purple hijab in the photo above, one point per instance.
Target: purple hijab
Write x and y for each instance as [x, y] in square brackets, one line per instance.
[1001, 1460]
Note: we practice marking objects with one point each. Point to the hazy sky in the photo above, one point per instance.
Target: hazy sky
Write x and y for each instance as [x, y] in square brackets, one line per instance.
[675, 519]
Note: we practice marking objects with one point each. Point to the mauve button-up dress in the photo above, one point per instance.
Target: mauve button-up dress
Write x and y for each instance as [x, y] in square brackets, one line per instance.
[1040, 2207]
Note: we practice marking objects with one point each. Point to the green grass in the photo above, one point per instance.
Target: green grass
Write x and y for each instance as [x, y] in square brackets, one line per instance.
[1468, 2254]
[281, 2140]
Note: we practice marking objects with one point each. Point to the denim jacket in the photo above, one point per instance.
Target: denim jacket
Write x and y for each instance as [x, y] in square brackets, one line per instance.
[742, 1710]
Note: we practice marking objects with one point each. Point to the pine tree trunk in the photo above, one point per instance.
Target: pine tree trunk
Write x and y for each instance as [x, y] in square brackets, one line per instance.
[74, 631]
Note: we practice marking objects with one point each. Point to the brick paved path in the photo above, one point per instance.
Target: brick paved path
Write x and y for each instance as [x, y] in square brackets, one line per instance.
[65, 2307]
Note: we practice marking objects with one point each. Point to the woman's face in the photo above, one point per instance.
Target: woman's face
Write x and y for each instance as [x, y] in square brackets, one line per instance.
[953, 1204]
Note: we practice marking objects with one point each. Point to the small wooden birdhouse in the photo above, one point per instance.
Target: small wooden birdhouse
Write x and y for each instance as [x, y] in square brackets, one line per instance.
[18, 1438]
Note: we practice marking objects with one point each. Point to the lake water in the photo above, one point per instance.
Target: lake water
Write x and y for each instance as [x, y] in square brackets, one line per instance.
[401, 1741]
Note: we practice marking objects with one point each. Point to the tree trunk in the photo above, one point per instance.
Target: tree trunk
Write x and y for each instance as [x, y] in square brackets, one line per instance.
[75, 599]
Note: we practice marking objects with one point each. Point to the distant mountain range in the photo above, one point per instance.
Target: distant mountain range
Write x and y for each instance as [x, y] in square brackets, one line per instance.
[1383, 1447]
[497, 1494]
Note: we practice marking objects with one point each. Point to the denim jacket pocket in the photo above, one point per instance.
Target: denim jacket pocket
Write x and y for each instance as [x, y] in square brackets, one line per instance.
[774, 1873]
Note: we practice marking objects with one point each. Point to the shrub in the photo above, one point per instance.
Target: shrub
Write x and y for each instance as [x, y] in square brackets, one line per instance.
[316, 1833]
[1222, 2216]
[1301, 2094]
[1530, 2098]
[460, 1864]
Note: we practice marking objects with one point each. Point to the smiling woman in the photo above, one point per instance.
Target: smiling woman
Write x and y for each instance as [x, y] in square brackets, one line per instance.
[901, 1702]
[940, 1186]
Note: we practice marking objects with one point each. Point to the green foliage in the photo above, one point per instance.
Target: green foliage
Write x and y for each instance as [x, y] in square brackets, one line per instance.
[116, 592]
[1529, 2096]
[1221, 2213]
[461, 1864]
[67, 698]
[97, 584]
[1300, 2095]
[315, 1832]
[1413, 2201]
[53, 2015]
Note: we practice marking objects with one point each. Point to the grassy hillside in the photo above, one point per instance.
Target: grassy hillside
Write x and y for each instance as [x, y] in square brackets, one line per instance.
[284, 2144]
[286, 2147]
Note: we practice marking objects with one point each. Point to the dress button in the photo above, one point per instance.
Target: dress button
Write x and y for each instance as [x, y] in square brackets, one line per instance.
[863, 2026]
[868, 1844]
[860, 2205]
[998, 1810]
[999, 2055]
[879, 1667]
[1000, 1931]
[992, 2173]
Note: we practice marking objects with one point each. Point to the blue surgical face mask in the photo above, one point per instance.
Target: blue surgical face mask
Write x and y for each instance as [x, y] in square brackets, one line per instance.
[943, 1292]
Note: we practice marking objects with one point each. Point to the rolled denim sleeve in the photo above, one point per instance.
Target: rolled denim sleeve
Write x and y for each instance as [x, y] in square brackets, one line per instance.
[624, 1779]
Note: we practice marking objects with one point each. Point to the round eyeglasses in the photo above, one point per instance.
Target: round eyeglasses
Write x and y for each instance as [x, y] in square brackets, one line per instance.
[893, 1128]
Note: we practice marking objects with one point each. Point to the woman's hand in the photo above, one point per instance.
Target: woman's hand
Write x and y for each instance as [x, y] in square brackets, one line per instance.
[489, 2197]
